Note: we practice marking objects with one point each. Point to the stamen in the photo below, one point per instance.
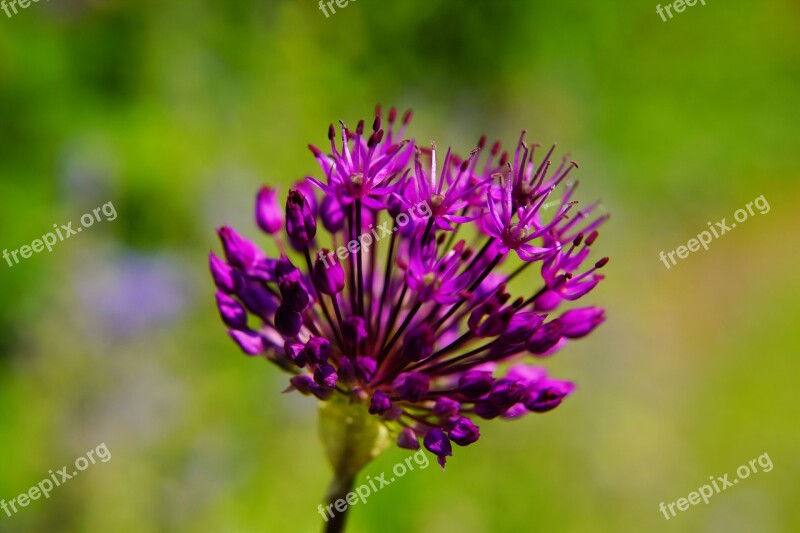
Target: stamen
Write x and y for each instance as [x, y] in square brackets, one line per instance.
[433, 165]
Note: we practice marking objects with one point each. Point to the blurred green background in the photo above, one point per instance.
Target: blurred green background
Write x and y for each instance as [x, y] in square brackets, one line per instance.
[177, 111]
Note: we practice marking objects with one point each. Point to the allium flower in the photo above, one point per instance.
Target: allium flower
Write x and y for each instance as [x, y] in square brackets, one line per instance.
[397, 324]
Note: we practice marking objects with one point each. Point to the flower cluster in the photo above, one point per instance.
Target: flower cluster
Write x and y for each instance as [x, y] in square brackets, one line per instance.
[421, 329]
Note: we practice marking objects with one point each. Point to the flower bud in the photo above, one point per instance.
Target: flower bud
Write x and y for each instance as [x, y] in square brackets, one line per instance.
[380, 403]
[465, 432]
[437, 443]
[302, 383]
[487, 410]
[306, 384]
[250, 342]
[547, 301]
[354, 330]
[544, 338]
[288, 322]
[226, 278]
[475, 383]
[269, 216]
[489, 319]
[411, 386]
[325, 375]
[231, 311]
[318, 350]
[284, 267]
[547, 395]
[505, 393]
[239, 252]
[257, 299]
[365, 368]
[347, 372]
[446, 407]
[408, 439]
[308, 190]
[331, 214]
[293, 294]
[521, 327]
[295, 352]
[300, 223]
[577, 323]
[328, 274]
[418, 343]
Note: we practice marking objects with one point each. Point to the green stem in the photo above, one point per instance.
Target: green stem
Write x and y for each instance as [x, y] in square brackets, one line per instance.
[338, 490]
[351, 438]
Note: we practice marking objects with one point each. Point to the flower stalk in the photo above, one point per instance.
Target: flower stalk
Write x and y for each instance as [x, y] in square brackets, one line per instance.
[351, 438]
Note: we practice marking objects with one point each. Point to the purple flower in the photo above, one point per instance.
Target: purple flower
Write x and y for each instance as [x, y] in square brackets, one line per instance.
[268, 212]
[380, 403]
[418, 344]
[545, 338]
[288, 322]
[446, 407]
[366, 165]
[447, 206]
[249, 341]
[239, 251]
[465, 432]
[331, 214]
[293, 293]
[325, 375]
[296, 353]
[547, 395]
[522, 326]
[231, 311]
[347, 372]
[328, 276]
[411, 386]
[404, 319]
[354, 331]
[305, 384]
[475, 383]
[505, 393]
[438, 444]
[301, 225]
[317, 350]
[577, 323]
[408, 439]
[225, 277]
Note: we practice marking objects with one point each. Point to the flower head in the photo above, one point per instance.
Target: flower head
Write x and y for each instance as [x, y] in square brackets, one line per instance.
[384, 305]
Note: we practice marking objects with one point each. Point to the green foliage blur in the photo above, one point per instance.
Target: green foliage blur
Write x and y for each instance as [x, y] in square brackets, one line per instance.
[177, 111]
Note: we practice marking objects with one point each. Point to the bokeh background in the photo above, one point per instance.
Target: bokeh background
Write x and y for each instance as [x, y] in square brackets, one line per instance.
[177, 111]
